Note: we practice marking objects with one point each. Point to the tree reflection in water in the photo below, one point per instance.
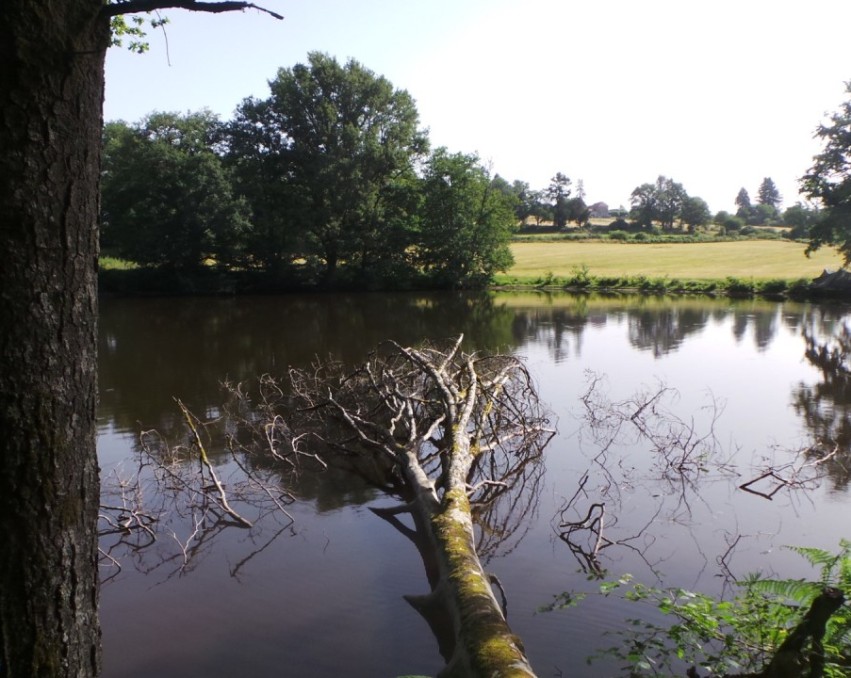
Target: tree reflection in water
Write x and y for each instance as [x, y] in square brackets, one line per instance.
[826, 406]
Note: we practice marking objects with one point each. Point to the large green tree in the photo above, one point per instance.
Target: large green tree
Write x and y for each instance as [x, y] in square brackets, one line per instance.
[342, 144]
[662, 202]
[828, 182]
[670, 198]
[695, 212]
[643, 202]
[167, 197]
[466, 222]
[51, 96]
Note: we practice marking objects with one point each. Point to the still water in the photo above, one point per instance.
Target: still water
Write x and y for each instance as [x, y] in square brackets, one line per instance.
[741, 392]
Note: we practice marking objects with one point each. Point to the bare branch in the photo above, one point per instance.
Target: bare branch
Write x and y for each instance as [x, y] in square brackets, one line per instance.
[135, 6]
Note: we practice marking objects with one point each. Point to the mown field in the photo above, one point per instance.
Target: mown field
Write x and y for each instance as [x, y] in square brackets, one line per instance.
[745, 259]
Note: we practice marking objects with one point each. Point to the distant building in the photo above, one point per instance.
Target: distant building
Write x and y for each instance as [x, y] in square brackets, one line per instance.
[599, 210]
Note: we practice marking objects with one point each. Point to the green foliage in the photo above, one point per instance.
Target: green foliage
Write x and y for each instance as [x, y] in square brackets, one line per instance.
[768, 195]
[739, 288]
[801, 218]
[695, 212]
[558, 193]
[466, 223]
[167, 198]
[329, 161]
[729, 636]
[665, 202]
[828, 182]
[134, 30]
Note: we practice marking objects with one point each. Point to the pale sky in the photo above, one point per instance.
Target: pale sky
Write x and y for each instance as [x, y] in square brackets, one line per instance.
[716, 95]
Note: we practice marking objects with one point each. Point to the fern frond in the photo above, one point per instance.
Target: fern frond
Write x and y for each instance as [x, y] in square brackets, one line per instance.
[815, 556]
[798, 590]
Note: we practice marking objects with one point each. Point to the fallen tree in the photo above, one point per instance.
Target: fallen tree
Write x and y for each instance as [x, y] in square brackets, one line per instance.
[448, 432]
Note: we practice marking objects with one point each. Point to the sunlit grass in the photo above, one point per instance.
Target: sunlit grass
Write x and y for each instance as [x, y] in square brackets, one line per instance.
[757, 260]
[115, 264]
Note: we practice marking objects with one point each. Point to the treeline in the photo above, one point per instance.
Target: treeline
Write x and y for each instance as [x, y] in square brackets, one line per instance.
[330, 180]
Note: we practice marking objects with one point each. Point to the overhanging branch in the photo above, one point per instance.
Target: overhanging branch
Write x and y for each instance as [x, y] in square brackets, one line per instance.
[135, 6]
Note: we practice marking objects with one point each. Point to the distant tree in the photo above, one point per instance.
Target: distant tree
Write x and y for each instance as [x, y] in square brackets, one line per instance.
[577, 211]
[695, 212]
[558, 193]
[580, 189]
[167, 199]
[828, 182]
[662, 202]
[343, 144]
[670, 198]
[523, 207]
[541, 209]
[768, 194]
[465, 222]
[500, 184]
[762, 214]
[800, 218]
[720, 217]
[743, 204]
[643, 201]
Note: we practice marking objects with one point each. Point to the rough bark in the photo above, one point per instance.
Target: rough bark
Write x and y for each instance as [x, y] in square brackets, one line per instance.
[51, 93]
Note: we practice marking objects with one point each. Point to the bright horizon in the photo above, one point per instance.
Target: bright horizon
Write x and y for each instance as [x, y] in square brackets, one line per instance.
[715, 95]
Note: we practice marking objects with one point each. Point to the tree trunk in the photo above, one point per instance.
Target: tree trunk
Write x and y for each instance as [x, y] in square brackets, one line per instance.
[51, 94]
[441, 426]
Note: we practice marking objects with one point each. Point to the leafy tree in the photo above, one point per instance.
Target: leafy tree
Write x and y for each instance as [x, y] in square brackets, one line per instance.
[525, 199]
[558, 193]
[695, 212]
[801, 218]
[768, 194]
[762, 214]
[670, 198]
[720, 217]
[167, 198]
[466, 223]
[662, 202]
[743, 204]
[51, 94]
[643, 202]
[578, 211]
[828, 182]
[342, 144]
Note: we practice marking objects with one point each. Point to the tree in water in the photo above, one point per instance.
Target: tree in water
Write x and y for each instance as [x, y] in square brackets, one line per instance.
[448, 432]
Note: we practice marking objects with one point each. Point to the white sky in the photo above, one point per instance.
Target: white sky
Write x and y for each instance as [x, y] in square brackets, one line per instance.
[716, 95]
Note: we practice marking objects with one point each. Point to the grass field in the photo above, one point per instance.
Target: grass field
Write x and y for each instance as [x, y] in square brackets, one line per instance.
[746, 259]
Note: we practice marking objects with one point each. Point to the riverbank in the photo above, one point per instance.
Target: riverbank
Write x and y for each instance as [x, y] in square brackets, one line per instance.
[770, 269]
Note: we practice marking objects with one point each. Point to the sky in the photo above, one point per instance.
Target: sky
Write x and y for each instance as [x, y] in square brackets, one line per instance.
[716, 95]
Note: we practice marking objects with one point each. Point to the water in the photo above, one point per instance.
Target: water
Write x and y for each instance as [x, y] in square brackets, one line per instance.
[324, 595]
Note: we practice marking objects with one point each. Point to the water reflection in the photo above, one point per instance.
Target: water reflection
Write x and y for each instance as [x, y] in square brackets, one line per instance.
[153, 350]
[783, 367]
[826, 405]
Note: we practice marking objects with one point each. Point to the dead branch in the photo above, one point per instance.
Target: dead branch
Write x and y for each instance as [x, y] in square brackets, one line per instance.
[454, 433]
[205, 461]
[136, 6]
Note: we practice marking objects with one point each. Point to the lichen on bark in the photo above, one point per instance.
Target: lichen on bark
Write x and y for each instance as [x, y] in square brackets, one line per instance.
[449, 433]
